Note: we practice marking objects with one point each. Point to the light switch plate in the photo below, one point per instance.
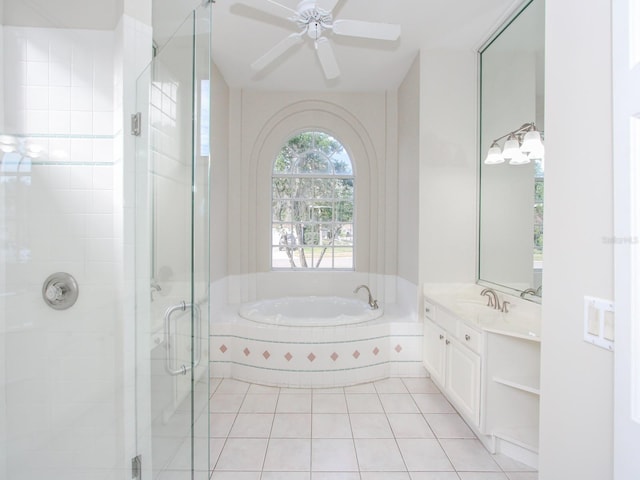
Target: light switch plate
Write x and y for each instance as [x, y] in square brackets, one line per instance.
[599, 322]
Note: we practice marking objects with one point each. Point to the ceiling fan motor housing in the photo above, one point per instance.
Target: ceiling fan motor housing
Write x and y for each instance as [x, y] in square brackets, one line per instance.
[313, 20]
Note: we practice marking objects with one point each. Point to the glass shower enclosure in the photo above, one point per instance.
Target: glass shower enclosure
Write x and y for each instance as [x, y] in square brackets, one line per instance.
[172, 255]
[104, 244]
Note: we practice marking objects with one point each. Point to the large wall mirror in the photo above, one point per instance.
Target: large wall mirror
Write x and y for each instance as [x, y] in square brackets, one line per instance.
[512, 155]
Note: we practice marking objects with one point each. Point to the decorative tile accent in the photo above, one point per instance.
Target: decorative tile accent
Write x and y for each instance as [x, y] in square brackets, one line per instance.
[311, 357]
[398, 348]
[246, 352]
[223, 348]
[376, 351]
[266, 355]
[334, 356]
[288, 356]
[356, 354]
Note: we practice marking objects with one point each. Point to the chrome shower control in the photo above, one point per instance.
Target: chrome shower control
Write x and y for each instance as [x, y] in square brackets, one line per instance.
[60, 291]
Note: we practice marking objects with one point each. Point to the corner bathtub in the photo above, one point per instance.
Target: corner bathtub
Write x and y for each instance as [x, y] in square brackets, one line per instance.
[315, 342]
[309, 311]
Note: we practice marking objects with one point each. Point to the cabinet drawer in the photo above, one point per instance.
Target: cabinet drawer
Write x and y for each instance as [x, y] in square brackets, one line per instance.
[429, 310]
[469, 337]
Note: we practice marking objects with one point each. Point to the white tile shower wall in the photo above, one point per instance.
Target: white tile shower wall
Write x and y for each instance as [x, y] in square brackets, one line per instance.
[59, 91]
[60, 386]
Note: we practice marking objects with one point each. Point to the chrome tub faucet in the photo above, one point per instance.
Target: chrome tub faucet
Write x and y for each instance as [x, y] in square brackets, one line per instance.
[372, 303]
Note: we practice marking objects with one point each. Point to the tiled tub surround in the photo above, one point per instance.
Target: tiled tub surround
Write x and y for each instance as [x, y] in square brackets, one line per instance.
[316, 356]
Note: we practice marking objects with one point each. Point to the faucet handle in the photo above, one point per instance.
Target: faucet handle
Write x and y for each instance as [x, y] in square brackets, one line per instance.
[504, 306]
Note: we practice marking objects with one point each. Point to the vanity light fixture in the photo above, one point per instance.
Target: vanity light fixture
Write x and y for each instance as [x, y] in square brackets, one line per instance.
[522, 146]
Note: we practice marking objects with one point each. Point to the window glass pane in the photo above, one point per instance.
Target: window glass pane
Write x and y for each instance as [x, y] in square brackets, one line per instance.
[312, 210]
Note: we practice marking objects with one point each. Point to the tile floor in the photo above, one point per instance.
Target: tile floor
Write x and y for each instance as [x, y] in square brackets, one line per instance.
[393, 429]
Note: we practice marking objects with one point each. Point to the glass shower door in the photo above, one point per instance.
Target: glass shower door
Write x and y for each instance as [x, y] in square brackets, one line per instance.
[172, 257]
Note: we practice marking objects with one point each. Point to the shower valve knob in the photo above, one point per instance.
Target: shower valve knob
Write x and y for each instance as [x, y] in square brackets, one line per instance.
[60, 291]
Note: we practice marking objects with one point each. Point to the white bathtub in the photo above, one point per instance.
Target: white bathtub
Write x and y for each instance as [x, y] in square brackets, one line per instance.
[319, 350]
[310, 311]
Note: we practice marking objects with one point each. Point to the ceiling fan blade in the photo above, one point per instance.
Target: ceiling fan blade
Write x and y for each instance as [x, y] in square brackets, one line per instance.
[327, 58]
[357, 28]
[326, 5]
[280, 49]
[269, 6]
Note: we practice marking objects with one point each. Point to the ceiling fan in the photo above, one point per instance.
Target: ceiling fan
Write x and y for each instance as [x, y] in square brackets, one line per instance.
[314, 18]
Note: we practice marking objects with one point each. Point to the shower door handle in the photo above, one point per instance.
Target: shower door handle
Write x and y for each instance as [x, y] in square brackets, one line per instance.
[170, 363]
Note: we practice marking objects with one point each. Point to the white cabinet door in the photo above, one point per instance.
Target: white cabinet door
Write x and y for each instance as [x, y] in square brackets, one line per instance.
[433, 353]
[463, 379]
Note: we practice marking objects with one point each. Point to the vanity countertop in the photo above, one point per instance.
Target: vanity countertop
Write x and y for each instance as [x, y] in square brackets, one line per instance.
[465, 302]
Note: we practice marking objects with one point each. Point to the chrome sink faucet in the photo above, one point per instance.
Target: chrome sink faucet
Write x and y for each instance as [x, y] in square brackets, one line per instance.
[372, 303]
[531, 291]
[494, 301]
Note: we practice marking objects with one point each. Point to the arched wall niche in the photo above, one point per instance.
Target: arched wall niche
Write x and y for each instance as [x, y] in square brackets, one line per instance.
[339, 123]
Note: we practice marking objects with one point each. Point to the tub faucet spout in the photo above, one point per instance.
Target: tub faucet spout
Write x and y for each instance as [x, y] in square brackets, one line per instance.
[372, 303]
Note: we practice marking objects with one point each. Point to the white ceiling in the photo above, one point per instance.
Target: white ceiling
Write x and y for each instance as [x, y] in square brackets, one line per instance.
[242, 34]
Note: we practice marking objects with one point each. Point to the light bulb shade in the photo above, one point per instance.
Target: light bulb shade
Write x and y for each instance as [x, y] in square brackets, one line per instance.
[531, 142]
[519, 158]
[537, 152]
[494, 156]
[511, 148]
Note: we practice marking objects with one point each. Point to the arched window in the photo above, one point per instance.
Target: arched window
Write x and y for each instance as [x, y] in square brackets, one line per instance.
[313, 193]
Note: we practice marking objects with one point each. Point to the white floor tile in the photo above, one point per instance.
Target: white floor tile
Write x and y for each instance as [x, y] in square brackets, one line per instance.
[255, 388]
[420, 385]
[432, 403]
[409, 425]
[286, 476]
[398, 403]
[469, 455]
[385, 476]
[243, 455]
[259, 403]
[361, 388]
[448, 425]
[364, 403]
[252, 425]
[331, 425]
[522, 475]
[379, 455]
[288, 455]
[390, 385]
[329, 403]
[291, 425]
[229, 385]
[225, 402]
[370, 425]
[434, 476]
[482, 476]
[335, 476]
[424, 455]
[294, 403]
[333, 455]
[221, 424]
[394, 429]
[235, 476]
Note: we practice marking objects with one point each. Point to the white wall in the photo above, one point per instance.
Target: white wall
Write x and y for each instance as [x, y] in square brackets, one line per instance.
[408, 173]
[448, 166]
[577, 378]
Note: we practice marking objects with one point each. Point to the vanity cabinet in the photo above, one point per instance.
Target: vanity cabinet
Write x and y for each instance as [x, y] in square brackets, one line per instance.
[490, 374]
[450, 359]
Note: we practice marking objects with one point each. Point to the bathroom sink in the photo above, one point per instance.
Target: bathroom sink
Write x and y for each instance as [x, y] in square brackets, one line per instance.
[478, 312]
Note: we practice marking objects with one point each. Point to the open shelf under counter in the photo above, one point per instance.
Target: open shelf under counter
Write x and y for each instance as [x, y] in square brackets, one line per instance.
[530, 384]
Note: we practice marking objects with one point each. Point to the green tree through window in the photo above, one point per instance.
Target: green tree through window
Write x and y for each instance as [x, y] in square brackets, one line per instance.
[313, 191]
